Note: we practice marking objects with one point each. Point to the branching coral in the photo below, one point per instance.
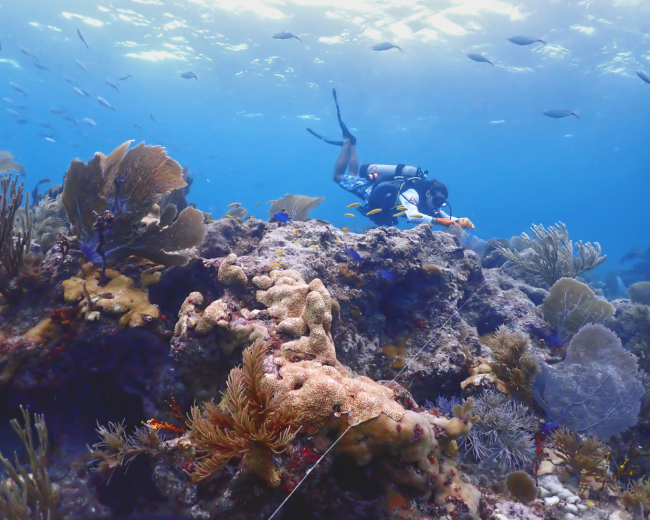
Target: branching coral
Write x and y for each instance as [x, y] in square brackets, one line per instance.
[253, 424]
[584, 456]
[130, 185]
[571, 305]
[513, 362]
[552, 254]
[28, 494]
[117, 448]
[637, 496]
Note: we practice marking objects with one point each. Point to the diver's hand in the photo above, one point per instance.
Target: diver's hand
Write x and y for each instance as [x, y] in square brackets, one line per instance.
[445, 222]
[465, 223]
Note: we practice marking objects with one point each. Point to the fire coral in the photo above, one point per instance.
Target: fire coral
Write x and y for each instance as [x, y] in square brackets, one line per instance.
[131, 185]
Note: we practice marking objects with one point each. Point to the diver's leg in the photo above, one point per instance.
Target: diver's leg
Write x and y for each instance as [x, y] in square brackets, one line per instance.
[353, 163]
[344, 128]
[343, 161]
[323, 138]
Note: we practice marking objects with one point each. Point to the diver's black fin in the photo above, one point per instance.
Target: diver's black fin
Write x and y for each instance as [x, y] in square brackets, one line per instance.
[344, 129]
[323, 138]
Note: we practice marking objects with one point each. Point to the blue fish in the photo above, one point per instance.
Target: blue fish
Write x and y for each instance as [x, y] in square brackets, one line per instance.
[386, 275]
[524, 40]
[559, 113]
[353, 254]
[643, 76]
[548, 427]
[188, 75]
[479, 58]
[282, 217]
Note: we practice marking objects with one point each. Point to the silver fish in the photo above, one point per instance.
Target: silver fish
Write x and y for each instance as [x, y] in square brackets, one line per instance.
[82, 38]
[81, 65]
[75, 145]
[559, 113]
[480, 58]
[68, 117]
[113, 85]
[137, 126]
[56, 110]
[643, 76]
[285, 35]
[13, 112]
[525, 40]
[89, 121]
[105, 103]
[46, 125]
[27, 52]
[12, 102]
[124, 78]
[385, 46]
[43, 134]
[22, 121]
[17, 87]
[69, 79]
[189, 75]
[153, 118]
[42, 67]
[80, 91]
[49, 140]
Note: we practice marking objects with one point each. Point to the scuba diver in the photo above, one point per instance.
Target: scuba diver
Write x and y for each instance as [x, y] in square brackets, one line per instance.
[390, 191]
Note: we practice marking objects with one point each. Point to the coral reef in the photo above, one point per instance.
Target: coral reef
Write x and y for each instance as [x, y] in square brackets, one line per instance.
[570, 305]
[130, 185]
[552, 254]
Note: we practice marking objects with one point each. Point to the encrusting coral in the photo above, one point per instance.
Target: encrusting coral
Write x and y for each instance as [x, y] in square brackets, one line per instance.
[119, 297]
[513, 362]
[130, 186]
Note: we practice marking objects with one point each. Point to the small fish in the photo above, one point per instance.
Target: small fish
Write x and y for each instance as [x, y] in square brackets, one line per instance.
[105, 103]
[176, 148]
[385, 46]
[271, 202]
[313, 245]
[345, 230]
[189, 75]
[524, 40]
[69, 79]
[18, 87]
[42, 67]
[81, 65]
[280, 252]
[113, 85]
[285, 35]
[153, 118]
[124, 78]
[282, 217]
[258, 204]
[234, 205]
[46, 125]
[373, 211]
[275, 264]
[27, 52]
[480, 58]
[559, 113]
[82, 38]
[80, 91]
[417, 215]
[13, 112]
[137, 126]
[89, 121]
[243, 213]
[295, 231]
[386, 275]
[353, 205]
[349, 215]
[22, 121]
[353, 254]
[400, 207]
[399, 214]
[338, 241]
[43, 134]
[548, 427]
[43, 181]
[68, 117]
[56, 110]
[75, 145]
[643, 76]
[49, 140]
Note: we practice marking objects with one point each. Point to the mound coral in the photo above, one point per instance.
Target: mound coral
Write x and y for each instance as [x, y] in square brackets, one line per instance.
[552, 254]
[130, 185]
[640, 293]
[513, 362]
[595, 389]
[521, 486]
[119, 297]
[570, 305]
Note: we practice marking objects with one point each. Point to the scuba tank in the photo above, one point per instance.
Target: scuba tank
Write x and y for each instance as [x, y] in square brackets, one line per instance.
[387, 172]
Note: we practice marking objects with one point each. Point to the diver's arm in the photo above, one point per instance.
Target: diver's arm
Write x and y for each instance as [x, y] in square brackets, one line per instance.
[409, 199]
[441, 214]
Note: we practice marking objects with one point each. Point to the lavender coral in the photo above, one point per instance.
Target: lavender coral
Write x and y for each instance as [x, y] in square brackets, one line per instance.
[130, 185]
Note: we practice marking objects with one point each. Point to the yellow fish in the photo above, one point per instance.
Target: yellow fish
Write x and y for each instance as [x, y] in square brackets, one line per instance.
[354, 204]
[234, 205]
[258, 204]
[313, 245]
[349, 215]
[275, 264]
[243, 213]
[345, 230]
[278, 252]
[400, 207]
[417, 215]
[251, 216]
[399, 214]
[296, 241]
[338, 242]
[296, 231]
[372, 212]
[230, 216]
[271, 202]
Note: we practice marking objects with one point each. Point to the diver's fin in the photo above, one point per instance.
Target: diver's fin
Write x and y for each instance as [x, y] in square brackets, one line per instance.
[323, 138]
[344, 129]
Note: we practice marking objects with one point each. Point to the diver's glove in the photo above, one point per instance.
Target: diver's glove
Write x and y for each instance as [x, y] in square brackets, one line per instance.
[445, 222]
[465, 223]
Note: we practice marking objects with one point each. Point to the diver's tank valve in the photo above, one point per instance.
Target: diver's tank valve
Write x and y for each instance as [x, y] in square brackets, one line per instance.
[387, 172]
